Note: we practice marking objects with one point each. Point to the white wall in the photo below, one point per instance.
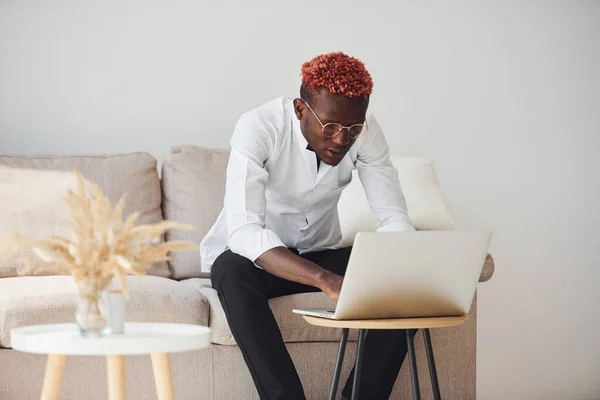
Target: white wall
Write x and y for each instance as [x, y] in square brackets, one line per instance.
[505, 96]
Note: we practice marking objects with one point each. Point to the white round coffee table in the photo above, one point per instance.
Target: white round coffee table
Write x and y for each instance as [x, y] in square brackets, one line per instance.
[156, 339]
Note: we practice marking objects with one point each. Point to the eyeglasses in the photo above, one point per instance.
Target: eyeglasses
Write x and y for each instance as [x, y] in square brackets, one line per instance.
[331, 129]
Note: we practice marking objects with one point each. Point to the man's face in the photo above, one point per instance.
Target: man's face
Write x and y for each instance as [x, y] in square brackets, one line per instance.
[330, 108]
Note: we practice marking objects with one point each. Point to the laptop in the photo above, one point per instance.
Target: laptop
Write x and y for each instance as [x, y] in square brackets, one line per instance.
[410, 274]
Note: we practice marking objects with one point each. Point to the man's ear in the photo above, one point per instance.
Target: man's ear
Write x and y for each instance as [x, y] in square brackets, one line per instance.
[299, 108]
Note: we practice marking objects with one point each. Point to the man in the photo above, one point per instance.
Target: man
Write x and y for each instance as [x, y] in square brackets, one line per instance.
[279, 232]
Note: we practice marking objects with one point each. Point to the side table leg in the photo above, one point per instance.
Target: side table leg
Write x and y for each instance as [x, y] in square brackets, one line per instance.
[358, 367]
[55, 367]
[431, 361]
[117, 382]
[338, 364]
[162, 376]
[410, 334]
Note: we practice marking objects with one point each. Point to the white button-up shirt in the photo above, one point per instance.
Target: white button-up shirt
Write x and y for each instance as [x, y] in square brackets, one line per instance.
[276, 196]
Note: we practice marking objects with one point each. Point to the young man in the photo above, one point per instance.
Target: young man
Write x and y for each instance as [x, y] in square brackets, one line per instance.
[279, 232]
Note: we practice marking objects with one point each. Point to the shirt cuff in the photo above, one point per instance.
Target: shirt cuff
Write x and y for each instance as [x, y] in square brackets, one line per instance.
[396, 226]
[251, 241]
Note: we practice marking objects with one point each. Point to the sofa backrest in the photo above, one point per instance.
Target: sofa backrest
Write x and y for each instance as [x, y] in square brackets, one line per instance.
[193, 188]
[193, 185]
[134, 174]
[426, 204]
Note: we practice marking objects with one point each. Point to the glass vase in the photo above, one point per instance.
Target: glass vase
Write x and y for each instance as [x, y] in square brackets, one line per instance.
[92, 315]
[116, 301]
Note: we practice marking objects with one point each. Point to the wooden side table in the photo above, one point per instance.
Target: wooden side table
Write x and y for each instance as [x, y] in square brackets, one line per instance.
[156, 339]
[409, 324]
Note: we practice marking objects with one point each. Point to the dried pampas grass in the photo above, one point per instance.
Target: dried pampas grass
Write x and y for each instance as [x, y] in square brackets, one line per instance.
[102, 246]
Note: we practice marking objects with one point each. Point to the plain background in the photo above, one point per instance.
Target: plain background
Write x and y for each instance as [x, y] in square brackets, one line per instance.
[504, 96]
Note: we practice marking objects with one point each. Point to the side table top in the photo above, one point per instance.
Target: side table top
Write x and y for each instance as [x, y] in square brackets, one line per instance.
[398, 323]
[139, 338]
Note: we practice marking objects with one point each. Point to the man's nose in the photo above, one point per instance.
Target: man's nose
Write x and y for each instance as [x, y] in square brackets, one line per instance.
[341, 138]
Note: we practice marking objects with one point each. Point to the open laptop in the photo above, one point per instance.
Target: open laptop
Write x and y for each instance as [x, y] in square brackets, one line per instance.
[410, 274]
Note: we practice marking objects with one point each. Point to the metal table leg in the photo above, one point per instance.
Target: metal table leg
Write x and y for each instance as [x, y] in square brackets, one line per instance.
[430, 360]
[338, 364]
[410, 333]
[359, 356]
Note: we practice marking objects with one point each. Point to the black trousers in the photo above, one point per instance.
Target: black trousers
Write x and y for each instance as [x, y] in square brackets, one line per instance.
[244, 291]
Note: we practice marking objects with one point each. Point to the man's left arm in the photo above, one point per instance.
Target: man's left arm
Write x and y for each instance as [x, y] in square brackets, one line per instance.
[380, 181]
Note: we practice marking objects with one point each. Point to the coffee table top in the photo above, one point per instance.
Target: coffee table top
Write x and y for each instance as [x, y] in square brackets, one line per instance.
[398, 323]
[139, 338]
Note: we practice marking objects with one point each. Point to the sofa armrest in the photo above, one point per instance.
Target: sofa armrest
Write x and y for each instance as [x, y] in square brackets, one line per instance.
[488, 269]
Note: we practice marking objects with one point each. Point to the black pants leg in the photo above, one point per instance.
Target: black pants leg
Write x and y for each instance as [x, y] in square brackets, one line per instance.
[383, 355]
[244, 291]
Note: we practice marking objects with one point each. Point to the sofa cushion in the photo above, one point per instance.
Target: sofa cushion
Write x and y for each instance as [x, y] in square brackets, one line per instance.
[33, 300]
[32, 206]
[134, 174]
[193, 185]
[293, 327]
[425, 201]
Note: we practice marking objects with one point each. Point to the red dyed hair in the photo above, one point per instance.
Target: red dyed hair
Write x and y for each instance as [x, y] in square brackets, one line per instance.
[339, 73]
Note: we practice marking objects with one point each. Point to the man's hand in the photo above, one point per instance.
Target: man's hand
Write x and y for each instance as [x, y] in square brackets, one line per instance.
[281, 262]
[331, 284]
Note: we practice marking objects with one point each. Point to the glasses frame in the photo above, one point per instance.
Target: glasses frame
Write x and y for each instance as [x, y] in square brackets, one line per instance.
[347, 128]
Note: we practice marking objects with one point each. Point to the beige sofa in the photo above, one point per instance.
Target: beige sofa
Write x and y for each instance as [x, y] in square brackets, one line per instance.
[191, 190]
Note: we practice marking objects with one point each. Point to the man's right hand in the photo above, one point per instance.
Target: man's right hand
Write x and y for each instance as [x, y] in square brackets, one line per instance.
[331, 284]
[281, 262]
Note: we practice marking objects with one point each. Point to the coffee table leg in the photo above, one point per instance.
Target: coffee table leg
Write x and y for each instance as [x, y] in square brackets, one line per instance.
[162, 376]
[338, 364]
[410, 335]
[117, 383]
[55, 367]
[362, 335]
[431, 361]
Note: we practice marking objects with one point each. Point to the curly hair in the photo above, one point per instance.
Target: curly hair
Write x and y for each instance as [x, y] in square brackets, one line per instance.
[339, 73]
